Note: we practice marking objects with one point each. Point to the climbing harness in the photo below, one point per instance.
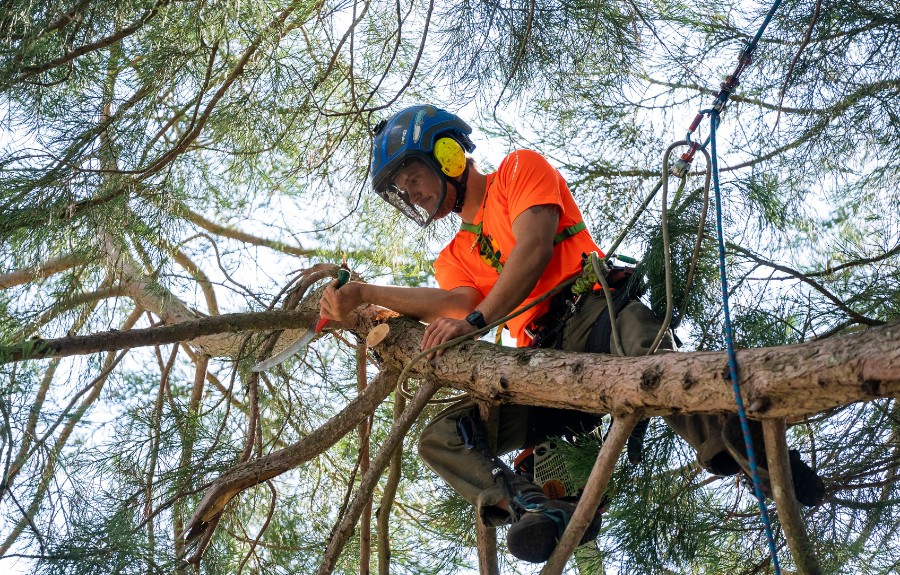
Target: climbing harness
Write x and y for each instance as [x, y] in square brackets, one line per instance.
[601, 271]
[491, 255]
[617, 272]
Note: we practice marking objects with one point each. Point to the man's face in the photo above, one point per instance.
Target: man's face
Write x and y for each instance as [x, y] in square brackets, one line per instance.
[423, 185]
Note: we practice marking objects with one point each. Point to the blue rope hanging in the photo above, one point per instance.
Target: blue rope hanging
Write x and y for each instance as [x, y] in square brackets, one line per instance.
[714, 114]
[732, 356]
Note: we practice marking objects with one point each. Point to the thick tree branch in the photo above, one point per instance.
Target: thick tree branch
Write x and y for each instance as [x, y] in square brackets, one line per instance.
[784, 381]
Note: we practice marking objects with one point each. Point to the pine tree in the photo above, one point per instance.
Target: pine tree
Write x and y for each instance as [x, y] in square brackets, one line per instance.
[169, 163]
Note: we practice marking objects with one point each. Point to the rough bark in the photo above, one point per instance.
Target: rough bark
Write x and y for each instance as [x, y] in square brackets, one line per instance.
[787, 381]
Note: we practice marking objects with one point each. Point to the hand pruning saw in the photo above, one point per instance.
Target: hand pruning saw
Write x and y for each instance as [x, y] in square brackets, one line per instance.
[312, 331]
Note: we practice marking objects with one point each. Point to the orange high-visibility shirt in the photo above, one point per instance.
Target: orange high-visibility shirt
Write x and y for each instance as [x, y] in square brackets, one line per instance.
[523, 180]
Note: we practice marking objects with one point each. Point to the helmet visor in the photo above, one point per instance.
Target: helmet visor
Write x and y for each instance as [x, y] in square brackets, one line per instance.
[399, 191]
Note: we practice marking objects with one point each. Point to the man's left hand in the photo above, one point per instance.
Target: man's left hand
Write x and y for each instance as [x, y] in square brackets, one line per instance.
[443, 330]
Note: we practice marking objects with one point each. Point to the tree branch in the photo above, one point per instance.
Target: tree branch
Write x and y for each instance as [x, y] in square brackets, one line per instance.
[593, 491]
[29, 71]
[256, 471]
[185, 331]
[46, 269]
[794, 380]
[383, 514]
[778, 463]
[807, 280]
[370, 479]
[235, 234]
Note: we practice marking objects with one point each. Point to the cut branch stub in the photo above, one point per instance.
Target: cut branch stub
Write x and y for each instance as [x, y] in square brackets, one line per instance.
[377, 334]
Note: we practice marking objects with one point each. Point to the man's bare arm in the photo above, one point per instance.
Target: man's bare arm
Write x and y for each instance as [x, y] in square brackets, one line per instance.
[425, 304]
[534, 230]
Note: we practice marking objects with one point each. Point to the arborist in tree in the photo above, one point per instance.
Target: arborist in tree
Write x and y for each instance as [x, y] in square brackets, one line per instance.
[521, 235]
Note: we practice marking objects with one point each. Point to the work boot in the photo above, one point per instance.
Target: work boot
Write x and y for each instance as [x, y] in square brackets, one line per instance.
[808, 486]
[541, 525]
[809, 489]
[506, 482]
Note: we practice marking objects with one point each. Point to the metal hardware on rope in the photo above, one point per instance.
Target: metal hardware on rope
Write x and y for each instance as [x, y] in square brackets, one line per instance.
[714, 117]
[731, 82]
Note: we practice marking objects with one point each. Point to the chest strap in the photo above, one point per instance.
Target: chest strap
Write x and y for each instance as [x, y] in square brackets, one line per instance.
[560, 237]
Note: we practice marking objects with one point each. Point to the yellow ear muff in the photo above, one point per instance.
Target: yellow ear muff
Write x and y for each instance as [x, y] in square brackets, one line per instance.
[450, 156]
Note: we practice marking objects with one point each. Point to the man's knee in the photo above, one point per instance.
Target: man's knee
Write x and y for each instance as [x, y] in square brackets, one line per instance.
[639, 327]
[426, 446]
[437, 438]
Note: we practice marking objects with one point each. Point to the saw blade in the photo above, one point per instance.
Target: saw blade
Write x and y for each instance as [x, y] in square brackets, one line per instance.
[286, 352]
[312, 331]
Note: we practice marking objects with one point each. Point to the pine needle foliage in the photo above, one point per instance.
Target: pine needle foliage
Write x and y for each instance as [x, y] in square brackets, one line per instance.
[164, 161]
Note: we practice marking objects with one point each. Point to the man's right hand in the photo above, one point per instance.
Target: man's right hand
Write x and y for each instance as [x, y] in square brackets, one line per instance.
[336, 304]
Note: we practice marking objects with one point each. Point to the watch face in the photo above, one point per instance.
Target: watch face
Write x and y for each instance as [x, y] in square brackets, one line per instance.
[475, 318]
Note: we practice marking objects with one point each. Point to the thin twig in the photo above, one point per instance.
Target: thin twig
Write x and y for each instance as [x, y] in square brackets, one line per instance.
[383, 515]
[790, 72]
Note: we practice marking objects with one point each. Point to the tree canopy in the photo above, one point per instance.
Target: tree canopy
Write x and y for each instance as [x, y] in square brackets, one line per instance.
[168, 162]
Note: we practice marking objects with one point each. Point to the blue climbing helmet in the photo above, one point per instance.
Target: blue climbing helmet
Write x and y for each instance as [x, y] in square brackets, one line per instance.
[423, 133]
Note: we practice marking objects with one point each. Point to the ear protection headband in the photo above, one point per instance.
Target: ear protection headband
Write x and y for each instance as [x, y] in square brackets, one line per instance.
[450, 156]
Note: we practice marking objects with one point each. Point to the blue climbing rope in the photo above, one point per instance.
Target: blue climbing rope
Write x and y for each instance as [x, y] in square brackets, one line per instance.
[732, 357]
[714, 114]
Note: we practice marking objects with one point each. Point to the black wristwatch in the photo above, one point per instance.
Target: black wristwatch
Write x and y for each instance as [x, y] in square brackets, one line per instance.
[476, 319]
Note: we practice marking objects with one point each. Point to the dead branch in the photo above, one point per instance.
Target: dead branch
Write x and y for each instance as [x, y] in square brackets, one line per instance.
[593, 491]
[256, 471]
[792, 522]
[370, 480]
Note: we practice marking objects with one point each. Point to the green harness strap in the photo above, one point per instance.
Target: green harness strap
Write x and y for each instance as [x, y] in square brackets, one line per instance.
[492, 258]
[560, 237]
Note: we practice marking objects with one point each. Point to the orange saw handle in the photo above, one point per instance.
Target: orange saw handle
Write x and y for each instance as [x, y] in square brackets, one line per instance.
[343, 278]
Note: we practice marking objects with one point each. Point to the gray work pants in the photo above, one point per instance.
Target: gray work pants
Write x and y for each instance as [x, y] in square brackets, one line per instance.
[469, 472]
